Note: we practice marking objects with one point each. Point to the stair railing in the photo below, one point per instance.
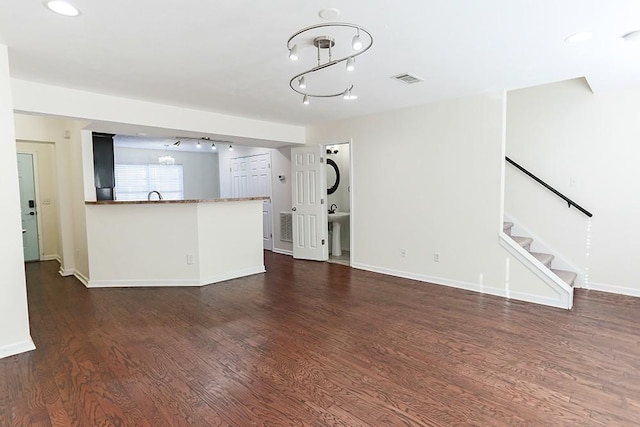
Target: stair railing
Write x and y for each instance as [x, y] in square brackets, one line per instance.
[570, 202]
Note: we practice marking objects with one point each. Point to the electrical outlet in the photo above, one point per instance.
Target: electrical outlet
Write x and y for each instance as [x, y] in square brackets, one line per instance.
[189, 259]
[436, 257]
[403, 253]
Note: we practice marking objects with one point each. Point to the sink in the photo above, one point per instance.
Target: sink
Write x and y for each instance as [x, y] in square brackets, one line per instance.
[337, 218]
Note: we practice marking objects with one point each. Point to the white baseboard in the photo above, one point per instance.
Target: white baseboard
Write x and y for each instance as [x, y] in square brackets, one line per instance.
[51, 258]
[81, 277]
[283, 251]
[17, 348]
[233, 275]
[613, 289]
[66, 271]
[140, 283]
[468, 286]
[174, 283]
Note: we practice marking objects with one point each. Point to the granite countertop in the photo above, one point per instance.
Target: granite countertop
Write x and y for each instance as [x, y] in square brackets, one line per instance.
[156, 202]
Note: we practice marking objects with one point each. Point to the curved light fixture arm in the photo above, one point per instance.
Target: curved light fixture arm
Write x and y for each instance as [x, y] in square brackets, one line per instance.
[331, 62]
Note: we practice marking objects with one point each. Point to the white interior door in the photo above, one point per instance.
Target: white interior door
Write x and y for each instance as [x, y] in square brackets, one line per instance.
[30, 244]
[309, 209]
[251, 177]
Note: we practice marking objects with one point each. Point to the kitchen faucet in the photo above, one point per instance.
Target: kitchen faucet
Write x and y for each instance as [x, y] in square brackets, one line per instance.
[154, 191]
[332, 209]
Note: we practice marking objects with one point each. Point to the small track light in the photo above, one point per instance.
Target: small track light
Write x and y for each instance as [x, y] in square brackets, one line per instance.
[302, 83]
[351, 64]
[199, 145]
[305, 100]
[348, 95]
[177, 143]
[293, 53]
[230, 147]
[213, 146]
[356, 43]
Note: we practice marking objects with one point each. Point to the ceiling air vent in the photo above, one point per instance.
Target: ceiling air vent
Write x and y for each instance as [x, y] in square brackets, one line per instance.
[407, 78]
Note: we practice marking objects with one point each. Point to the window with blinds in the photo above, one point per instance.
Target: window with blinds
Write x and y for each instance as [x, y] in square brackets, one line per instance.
[133, 182]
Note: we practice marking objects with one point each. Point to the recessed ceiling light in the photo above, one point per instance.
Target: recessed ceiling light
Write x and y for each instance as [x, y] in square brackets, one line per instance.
[62, 7]
[633, 36]
[580, 37]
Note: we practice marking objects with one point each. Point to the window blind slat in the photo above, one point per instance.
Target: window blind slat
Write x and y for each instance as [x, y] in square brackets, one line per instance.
[135, 181]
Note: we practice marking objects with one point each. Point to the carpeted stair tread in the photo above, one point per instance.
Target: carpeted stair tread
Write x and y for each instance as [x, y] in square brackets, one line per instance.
[506, 227]
[525, 242]
[543, 258]
[568, 276]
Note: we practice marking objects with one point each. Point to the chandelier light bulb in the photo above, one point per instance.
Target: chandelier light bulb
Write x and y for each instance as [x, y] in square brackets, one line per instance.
[230, 147]
[293, 53]
[198, 145]
[305, 100]
[302, 83]
[351, 64]
[213, 146]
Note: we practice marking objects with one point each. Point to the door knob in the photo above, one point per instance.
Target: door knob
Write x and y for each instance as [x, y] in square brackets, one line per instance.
[32, 213]
[294, 209]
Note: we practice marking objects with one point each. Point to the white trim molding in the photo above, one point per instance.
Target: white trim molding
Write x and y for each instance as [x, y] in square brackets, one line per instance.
[51, 258]
[176, 283]
[467, 286]
[562, 289]
[81, 277]
[602, 287]
[282, 251]
[17, 348]
[64, 272]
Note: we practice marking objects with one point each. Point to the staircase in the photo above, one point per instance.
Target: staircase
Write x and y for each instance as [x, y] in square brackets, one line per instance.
[568, 277]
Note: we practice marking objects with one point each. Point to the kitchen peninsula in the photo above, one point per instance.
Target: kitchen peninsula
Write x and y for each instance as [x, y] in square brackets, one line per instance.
[173, 242]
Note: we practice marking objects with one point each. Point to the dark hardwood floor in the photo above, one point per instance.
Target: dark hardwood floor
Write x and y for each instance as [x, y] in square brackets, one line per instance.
[318, 344]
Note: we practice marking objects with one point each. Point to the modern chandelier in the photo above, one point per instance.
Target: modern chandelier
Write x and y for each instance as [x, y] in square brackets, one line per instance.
[166, 159]
[324, 44]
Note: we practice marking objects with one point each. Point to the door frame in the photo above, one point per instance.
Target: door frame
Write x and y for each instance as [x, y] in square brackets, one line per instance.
[351, 233]
[36, 186]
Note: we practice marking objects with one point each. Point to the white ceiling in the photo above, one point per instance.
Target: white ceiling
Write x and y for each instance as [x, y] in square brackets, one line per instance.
[231, 56]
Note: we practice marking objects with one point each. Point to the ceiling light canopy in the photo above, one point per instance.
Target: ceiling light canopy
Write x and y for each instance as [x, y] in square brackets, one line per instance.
[62, 8]
[325, 46]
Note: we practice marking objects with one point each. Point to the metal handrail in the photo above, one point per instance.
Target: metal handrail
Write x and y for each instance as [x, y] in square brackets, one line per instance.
[550, 188]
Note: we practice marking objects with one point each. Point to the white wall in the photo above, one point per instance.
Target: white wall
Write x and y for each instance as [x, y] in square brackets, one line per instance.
[14, 318]
[200, 170]
[60, 101]
[562, 132]
[280, 190]
[429, 179]
[79, 142]
[149, 244]
[47, 191]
